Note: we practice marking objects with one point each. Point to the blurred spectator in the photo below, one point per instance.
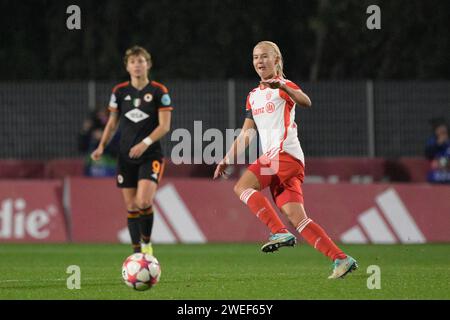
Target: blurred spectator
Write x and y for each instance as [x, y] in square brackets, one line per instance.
[437, 150]
[88, 140]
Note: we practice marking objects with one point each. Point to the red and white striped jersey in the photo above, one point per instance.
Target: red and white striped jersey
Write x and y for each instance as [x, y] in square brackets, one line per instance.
[274, 114]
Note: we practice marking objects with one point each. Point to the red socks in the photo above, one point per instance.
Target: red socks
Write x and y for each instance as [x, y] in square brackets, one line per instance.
[308, 229]
[318, 238]
[263, 210]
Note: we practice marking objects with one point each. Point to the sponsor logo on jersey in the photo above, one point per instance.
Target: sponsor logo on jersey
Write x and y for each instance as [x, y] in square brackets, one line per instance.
[148, 97]
[270, 107]
[136, 115]
[127, 98]
[165, 100]
[257, 111]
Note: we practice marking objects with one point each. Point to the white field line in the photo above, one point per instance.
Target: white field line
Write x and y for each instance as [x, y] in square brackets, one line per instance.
[50, 280]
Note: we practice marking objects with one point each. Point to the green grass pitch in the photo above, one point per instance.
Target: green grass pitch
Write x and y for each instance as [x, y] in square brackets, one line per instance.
[225, 271]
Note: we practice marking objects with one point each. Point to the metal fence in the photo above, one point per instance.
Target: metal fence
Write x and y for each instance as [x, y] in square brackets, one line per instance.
[41, 120]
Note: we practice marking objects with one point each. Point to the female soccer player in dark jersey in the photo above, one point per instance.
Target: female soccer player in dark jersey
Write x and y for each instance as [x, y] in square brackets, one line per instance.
[142, 110]
[271, 110]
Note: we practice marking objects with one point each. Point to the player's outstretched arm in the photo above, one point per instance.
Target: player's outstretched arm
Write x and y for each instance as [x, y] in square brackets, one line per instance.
[160, 131]
[299, 97]
[239, 145]
[108, 133]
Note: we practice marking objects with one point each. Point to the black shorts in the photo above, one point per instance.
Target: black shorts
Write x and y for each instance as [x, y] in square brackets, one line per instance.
[129, 173]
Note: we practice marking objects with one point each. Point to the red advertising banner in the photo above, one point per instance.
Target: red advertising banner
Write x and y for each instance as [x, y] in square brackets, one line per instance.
[31, 211]
[381, 213]
[97, 210]
[202, 210]
[332, 170]
[193, 211]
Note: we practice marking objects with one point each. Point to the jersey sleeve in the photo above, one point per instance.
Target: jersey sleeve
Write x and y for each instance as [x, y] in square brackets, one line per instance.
[248, 108]
[286, 97]
[292, 85]
[114, 101]
[162, 97]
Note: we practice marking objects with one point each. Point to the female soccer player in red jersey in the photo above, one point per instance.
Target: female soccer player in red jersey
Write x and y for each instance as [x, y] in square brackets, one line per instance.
[271, 110]
[141, 109]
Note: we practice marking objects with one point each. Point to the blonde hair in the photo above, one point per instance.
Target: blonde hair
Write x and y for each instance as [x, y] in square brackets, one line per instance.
[279, 66]
[136, 51]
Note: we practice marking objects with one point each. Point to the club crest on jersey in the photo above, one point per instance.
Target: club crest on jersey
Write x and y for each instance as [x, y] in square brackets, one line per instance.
[268, 95]
[136, 102]
[148, 97]
[270, 107]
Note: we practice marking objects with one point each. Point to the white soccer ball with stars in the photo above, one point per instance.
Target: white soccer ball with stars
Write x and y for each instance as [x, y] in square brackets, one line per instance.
[141, 271]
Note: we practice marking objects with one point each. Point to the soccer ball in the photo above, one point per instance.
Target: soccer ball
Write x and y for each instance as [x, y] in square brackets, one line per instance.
[141, 271]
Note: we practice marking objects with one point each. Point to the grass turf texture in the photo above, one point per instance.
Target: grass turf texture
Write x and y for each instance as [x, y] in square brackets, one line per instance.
[225, 271]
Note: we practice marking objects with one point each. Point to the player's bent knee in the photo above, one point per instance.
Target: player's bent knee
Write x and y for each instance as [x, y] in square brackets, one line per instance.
[295, 214]
[143, 203]
[238, 189]
[131, 206]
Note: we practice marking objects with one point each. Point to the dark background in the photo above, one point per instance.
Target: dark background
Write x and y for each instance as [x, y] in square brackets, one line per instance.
[198, 39]
[373, 91]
